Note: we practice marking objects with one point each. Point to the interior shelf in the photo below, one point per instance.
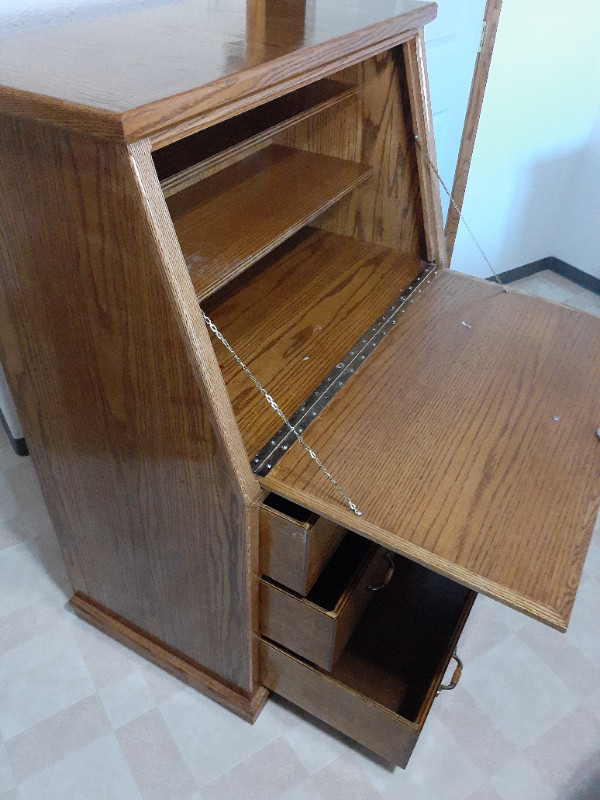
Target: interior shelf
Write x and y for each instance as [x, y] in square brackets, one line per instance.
[229, 221]
[184, 162]
[295, 315]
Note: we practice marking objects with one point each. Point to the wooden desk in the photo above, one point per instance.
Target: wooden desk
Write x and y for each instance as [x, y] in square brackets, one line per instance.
[261, 159]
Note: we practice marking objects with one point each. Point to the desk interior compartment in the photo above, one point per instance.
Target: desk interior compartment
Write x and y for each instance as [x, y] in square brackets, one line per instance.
[317, 627]
[295, 544]
[230, 220]
[382, 687]
[294, 315]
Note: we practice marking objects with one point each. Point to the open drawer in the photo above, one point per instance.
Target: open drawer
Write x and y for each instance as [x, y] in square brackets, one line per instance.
[317, 627]
[381, 689]
[295, 544]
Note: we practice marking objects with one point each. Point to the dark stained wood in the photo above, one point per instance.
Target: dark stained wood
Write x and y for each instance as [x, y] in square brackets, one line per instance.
[229, 221]
[248, 707]
[292, 317]
[294, 545]
[445, 439]
[382, 687]
[318, 627]
[120, 396]
[188, 160]
[375, 129]
[133, 72]
[491, 17]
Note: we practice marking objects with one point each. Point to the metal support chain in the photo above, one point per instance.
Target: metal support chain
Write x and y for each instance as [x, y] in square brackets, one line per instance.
[458, 211]
[278, 411]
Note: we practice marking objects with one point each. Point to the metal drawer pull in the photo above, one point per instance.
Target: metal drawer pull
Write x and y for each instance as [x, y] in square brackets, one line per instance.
[455, 676]
[386, 578]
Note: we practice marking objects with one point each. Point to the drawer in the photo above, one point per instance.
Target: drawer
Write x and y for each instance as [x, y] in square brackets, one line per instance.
[384, 682]
[295, 544]
[317, 627]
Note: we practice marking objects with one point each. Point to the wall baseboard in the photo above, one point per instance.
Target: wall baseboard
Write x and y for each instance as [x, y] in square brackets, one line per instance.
[556, 265]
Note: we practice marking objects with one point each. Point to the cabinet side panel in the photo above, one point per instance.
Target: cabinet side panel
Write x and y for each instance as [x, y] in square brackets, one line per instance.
[418, 90]
[376, 130]
[146, 505]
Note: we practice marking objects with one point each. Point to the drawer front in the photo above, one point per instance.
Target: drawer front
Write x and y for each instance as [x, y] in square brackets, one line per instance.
[294, 547]
[382, 686]
[316, 633]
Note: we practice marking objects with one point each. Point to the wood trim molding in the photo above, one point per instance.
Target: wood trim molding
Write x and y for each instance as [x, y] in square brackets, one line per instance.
[416, 74]
[467, 144]
[247, 707]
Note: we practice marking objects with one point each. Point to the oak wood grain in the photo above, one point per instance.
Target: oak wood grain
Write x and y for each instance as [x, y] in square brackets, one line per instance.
[374, 129]
[445, 438]
[418, 86]
[491, 16]
[107, 358]
[134, 72]
[229, 221]
[248, 707]
[188, 160]
[291, 318]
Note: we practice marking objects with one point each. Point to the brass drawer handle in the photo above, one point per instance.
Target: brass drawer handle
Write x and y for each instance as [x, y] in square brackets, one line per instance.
[446, 687]
[386, 578]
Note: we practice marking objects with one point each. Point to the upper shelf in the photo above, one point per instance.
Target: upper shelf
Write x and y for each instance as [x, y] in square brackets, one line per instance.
[186, 161]
[295, 315]
[230, 220]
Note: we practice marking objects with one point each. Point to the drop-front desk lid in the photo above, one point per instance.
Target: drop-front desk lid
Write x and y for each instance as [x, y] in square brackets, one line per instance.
[470, 448]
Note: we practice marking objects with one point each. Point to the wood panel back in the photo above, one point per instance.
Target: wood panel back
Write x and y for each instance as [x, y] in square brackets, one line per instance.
[141, 488]
[374, 128]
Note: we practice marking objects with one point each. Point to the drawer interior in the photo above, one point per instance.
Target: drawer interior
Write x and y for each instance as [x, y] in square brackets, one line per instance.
[402, 645]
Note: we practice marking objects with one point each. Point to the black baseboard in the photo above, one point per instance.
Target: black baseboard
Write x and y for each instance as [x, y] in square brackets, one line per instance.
[18, 445]
[554, 264]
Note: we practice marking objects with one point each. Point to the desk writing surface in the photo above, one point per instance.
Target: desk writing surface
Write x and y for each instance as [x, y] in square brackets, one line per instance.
[115, 58]
[446, 439]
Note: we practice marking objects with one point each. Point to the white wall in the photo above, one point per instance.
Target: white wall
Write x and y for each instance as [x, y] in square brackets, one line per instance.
[451, 42]
[534, 185]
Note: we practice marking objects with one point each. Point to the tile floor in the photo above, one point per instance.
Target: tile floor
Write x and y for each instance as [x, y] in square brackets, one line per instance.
[82, 718]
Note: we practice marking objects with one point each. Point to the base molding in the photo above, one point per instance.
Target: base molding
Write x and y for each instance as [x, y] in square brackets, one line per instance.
[555, 265]
[246, 706]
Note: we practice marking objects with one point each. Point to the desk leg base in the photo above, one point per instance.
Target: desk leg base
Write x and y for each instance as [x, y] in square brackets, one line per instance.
[246, 706]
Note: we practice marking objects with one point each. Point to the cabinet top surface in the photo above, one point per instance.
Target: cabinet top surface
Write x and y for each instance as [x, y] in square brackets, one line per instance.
[133, 67]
